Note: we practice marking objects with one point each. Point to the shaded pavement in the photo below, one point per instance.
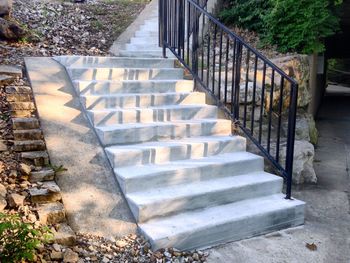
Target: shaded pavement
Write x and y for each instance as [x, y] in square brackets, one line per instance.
[328, 208]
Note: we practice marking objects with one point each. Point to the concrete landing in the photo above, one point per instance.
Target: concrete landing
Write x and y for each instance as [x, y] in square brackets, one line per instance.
[327, 219]
[91, 196]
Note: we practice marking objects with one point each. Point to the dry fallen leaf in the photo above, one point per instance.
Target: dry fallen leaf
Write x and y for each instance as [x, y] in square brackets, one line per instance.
[311, 246]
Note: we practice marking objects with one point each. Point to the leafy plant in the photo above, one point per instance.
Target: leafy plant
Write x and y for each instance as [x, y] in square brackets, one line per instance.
[300, 25]
[246, 13]
[58, 169]
[18, 240]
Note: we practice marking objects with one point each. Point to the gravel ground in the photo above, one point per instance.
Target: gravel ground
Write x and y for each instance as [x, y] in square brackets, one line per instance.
[66, 28]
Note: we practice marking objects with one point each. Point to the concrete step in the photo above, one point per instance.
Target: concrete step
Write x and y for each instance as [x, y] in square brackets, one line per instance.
[144, 40]
[51, 213]
[20, 106]
[133, 86]
[149, 27]
[144, 46]
[174, 150]
[31, 134]
[125, 73]
[138, 178]
[38, 158]
[144, 132]
[98, 102]
[147, 33]
[28, 146]
[165, 201]
[115, 62]
[144, 54]
[25, 123]
[152, 114]
[48, 192]
[221, 224]
[45, 174]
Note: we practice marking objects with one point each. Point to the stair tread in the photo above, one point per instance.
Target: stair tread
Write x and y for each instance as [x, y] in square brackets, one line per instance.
[129, 81]
[153, 124]
[123, 68]
[163, 144]
[162, 107]
[158, 195]
[194, 221]
[120, 95]
[148, 169]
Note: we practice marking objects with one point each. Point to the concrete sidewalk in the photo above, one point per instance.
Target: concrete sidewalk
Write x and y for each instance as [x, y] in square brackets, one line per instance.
[91, 196]
[327, 211]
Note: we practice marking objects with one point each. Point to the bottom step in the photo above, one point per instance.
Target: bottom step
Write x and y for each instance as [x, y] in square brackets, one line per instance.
[222, 224]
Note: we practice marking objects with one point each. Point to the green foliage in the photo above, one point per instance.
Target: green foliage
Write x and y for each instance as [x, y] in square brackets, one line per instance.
[299, 26]
[18, 240]
[246, 13]
[58, 169]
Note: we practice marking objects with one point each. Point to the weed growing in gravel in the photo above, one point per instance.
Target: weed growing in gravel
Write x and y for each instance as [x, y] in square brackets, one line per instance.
[18, 240]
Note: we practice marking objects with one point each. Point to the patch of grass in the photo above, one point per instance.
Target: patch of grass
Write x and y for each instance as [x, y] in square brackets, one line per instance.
[97, 25]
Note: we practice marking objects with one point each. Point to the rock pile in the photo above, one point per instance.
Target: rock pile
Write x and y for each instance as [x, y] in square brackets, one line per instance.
[27, 188]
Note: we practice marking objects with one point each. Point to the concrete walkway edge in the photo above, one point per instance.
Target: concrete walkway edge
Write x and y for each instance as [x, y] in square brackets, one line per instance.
[92, 198]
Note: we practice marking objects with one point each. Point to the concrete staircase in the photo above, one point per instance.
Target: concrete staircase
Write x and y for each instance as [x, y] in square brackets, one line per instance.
[188, 181]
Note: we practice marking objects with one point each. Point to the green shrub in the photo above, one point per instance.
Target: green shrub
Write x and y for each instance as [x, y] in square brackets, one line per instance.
[18, 240]
[246, 13]
[291, 25]
[300, 25]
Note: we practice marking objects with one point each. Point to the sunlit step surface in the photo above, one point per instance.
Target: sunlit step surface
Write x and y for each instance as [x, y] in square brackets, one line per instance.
[174, 150]
[132, 100]
[225, 223]
[138, 178]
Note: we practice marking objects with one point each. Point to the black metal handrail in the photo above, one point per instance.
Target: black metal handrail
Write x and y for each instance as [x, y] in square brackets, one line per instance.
[259, 96]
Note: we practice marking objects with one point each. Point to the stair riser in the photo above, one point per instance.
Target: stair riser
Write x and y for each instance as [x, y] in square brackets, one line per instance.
[116, 62]
[232, 231]
[183, 176]
[203, 200]
[149, 27]
[125, 74]
[148, 115]
[131, 157]
[143, 54]
[29, 146]
[144, 41]
[148, 34]
[24, 135]
[146, 47]
[146, 100]
[121, 87]
[163, 132]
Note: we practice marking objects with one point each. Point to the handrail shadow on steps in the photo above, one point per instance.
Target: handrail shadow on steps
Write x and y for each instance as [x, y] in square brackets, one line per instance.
[259, 97]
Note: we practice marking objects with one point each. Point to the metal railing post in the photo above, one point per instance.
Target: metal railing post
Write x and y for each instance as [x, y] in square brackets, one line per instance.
[291, 138]
[237, 80]
[195, 41]
[163, 25]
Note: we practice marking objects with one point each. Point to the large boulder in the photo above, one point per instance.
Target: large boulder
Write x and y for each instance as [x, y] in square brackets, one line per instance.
[303, 170]
[305, 128]
[297, 67]
[5, 7]
[10, 30]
